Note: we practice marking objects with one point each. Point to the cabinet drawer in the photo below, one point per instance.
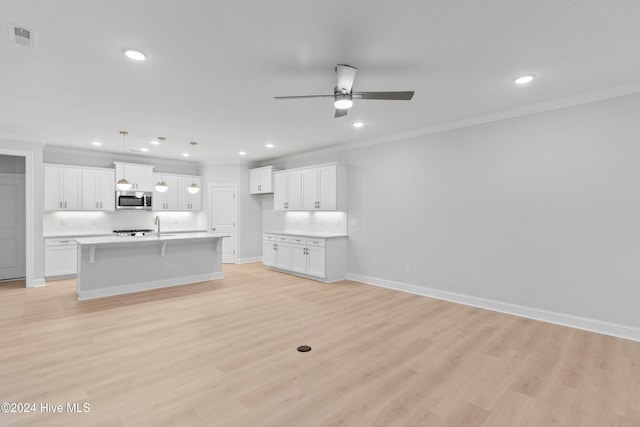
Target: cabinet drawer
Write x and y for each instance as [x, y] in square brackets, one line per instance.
[269, 237]
[315, 242]
[283, 239]
[60, 242]
[299, 240]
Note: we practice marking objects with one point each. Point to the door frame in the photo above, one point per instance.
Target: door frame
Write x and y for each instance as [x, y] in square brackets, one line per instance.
[28, 199]
[210, 211]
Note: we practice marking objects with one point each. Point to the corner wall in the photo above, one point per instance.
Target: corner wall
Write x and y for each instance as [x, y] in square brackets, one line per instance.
[536, 213]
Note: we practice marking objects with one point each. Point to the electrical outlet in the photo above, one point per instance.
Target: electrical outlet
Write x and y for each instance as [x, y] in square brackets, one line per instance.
[407, 268]
[167, 265]
[354, 223]
[338, 224]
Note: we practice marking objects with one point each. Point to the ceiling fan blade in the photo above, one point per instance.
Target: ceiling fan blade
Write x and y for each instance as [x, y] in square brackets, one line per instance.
[398, 96]
[346, 75]
[341, 112]
[303, 96]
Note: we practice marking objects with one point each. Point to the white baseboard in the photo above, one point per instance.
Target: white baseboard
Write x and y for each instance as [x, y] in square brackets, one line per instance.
[146, 286]
[592, 325]
[37, 283]
[248, 260]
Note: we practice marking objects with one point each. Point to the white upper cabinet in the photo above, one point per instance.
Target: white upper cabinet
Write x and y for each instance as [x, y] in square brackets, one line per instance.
[98, 189]
[62, 188]
[167, 201]
[186, 200]
[261, 180]
[140, 176]
[314, 188]
[287, 190]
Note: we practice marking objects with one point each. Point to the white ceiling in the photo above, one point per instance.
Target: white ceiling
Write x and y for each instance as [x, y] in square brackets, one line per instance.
[215, 67]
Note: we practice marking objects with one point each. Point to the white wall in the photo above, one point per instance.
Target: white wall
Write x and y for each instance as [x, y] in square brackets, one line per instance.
[539, 211]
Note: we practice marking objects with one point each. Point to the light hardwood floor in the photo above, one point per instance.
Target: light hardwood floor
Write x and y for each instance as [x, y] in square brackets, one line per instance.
[224, 354]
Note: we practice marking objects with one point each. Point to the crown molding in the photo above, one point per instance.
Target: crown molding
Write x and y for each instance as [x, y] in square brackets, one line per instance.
[541, 107]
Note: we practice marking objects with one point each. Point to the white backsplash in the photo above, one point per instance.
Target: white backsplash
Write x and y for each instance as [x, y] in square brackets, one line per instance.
[317, 222]
[83, 223]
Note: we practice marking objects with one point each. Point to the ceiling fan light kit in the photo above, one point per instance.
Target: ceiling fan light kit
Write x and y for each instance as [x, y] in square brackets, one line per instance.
[343, 94]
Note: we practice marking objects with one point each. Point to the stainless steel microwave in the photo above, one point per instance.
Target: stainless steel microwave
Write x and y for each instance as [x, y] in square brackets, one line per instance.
[134, 200]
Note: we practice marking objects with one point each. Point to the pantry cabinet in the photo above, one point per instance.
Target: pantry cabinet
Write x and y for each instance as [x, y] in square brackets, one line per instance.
[98, 189]
[62, 188]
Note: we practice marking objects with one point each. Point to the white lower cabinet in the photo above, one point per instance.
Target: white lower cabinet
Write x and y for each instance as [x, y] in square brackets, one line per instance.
[318, 258]
[308, 256]
[60, 257]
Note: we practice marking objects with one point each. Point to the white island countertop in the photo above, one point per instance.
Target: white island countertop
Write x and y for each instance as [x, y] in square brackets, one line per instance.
[163, 237]
[316, 234]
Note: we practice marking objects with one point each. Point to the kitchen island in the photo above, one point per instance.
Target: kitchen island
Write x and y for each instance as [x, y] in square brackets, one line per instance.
[110, 265]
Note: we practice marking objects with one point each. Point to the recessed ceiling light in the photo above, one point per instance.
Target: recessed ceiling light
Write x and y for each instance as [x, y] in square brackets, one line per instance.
[144, 149]
[269, 145]
[186, 154]
[154, 142]
[523, 80]
[96, 143]
[242, 153]
[135, 54]
[358, 124]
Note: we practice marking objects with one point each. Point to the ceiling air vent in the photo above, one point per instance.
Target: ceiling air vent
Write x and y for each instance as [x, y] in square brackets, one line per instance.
[21, 36]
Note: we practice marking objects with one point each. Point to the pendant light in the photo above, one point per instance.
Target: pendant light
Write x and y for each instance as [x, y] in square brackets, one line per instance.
[161, 186]
[123, 184]
[193, 188]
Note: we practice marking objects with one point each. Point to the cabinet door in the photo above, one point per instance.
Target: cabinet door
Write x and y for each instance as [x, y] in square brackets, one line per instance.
[157, 203]
[294, 191]
[279, 191]
[186, 200]
[255, 181]
[143, 176]
[327, 188]
[196, 199]
[171, 195]
[60, 260]
[269, 253]
[71, 188]
[298, 258]
[310, 189]
[316, 260]
[89, 186]
[52, 188]
[106, 190]
[266, 180]
[283, 256]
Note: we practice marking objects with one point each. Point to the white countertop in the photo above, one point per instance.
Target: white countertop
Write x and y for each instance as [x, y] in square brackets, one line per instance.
[81, 235]
[168, 236]
[316, 234]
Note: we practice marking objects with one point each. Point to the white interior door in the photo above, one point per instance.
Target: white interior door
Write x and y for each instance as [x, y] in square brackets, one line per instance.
[12, 227]
[222, 218]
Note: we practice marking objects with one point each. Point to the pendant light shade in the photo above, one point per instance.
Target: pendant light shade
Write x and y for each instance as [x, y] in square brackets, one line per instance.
[161, 186]
[123, 183]
[193, 188]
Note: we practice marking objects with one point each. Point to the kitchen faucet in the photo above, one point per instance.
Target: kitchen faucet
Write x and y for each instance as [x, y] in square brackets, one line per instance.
[157, 222]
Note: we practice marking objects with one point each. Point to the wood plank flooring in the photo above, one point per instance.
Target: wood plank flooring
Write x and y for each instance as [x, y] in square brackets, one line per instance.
[224, 354]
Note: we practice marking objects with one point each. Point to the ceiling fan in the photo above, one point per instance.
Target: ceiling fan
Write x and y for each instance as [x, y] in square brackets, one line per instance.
[343, 92]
